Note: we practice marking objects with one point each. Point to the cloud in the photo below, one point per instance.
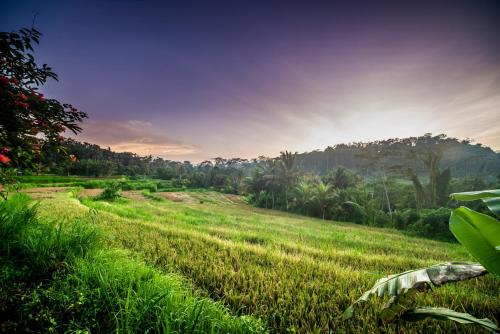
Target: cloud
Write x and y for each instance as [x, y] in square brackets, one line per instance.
[133, 136]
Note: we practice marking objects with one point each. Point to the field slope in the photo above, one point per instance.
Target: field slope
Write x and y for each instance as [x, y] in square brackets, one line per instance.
[296, 273]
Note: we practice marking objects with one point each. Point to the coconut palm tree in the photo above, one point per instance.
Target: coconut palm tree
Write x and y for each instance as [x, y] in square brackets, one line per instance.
[288, 172]
[269, 173]
[323, 195]
[304, 192]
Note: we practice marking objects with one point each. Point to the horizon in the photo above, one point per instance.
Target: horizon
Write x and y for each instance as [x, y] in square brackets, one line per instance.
[243, 80]
[462, 140]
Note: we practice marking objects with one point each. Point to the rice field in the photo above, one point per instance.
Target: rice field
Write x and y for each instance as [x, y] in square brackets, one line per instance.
[297, 274]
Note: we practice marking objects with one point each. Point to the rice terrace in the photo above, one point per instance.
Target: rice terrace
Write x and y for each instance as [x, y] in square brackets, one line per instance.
[249, 167]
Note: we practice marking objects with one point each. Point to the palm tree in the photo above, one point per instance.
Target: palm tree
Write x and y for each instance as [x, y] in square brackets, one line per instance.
[304, 193]
[323, 194]
[269, 173]
[288, 172]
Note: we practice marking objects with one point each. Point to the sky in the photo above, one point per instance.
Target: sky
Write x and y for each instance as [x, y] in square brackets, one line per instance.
[194, 80]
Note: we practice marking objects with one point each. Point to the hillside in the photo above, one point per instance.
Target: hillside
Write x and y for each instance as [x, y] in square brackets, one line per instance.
[462, 157]
[296, 273]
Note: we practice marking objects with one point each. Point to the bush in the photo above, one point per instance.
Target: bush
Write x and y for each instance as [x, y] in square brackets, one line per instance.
[349, 211]
[382, 219]
[111, 192]
[433, 223]
[402, 220]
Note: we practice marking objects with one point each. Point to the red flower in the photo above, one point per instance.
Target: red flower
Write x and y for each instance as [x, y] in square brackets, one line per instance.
[22, 96]
[14, 81]
[23, 105]
[72, 158]
[4, 159]
[5, 150]
[4, 80]
[40, 98]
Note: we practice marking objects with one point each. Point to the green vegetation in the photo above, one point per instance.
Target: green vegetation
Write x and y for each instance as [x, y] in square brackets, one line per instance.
[170, 247]
[56, 278]
[295, 273]
[111, 192]
[28, 120]
[479, 233]
[396, 183]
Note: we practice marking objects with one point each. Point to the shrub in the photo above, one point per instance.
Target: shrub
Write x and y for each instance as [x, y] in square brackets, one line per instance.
[382, 219]
[433, 223]
[402, 220]
[111, 192]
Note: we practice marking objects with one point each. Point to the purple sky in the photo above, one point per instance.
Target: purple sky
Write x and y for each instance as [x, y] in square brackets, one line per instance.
[195, 80]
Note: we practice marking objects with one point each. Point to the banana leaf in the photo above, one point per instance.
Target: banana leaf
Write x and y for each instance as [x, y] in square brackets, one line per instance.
[490, 197]
[479, 234]
[419, 279]
[439, 313]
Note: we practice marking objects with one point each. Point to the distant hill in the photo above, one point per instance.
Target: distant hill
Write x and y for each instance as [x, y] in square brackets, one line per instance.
[462, 157]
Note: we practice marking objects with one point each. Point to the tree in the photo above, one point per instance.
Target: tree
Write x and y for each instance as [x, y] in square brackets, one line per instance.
[429, 151]
[288, 172]
[268, 170]
[28, 119]
[342, 178]
[304, 192]
[323, 194]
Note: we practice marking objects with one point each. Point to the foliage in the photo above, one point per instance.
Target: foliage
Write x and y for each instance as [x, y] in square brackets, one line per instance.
[342, 178]
[111, 192]
[490, 197]
[418, 279]
[28, 120]
[383, 198]
[439, 313]
[292, 271]
[40, 247]
[53, 278]
[464, 158]
[432, 223]
[479, 233]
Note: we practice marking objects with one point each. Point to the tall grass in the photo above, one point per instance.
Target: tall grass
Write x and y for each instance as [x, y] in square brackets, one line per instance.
[297, 273]
[57, 276]
[137, 299]
[41, 246]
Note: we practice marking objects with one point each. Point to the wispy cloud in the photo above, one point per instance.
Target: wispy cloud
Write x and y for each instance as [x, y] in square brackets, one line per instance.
[133, 136]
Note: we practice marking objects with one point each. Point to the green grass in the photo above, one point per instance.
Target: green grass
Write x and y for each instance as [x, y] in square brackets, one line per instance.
[30, 181]
[56, 277]
[296, 273]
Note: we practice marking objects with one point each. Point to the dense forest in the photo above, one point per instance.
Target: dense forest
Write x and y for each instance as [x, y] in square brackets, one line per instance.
[461, 157]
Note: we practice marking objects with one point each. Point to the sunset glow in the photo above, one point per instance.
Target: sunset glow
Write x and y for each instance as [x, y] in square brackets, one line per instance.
[249, 79]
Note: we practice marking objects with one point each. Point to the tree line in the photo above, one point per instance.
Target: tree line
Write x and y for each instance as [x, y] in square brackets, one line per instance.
[401, 183]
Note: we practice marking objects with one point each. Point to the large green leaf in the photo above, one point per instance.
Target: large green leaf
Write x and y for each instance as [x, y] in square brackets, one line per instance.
[493, 204]
[475, 195]
[419, 279]
[490, 197]
[439, 313]
[480, 234]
